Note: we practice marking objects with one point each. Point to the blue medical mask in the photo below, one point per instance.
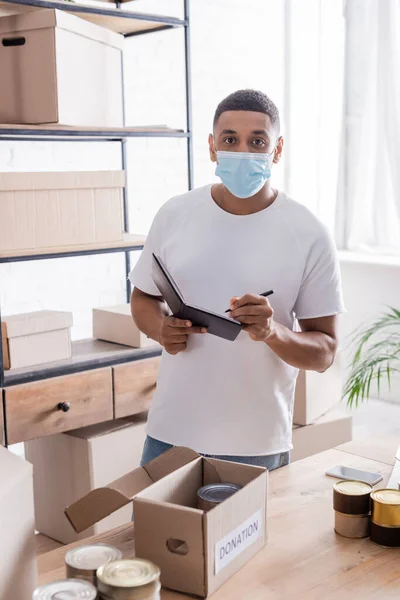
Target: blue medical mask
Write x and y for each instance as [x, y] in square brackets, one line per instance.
[244, 173]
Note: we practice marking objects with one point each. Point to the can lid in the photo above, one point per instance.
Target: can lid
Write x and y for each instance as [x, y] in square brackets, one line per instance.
[128, 573]
[217, 492]
[71, 589]
[91, 557]
[387, 496]
[353, 488]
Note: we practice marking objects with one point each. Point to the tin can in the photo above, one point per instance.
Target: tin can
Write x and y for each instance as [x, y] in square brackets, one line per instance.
[352, 497]
[352, 526]
[134, 579]
[83, 562]
[386, 507]
[73, 589]
[388, 537]
[385, 525]
[209, 496]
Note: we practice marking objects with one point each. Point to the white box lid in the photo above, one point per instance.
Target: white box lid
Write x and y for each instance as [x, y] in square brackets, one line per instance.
[37, 322]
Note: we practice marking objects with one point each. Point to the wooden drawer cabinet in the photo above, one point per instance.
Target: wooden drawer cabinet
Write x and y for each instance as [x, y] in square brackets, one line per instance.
[56, 405]
[134, 385]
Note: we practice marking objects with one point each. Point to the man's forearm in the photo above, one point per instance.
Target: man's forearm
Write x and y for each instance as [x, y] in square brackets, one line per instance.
[148, 313]
[309, 350]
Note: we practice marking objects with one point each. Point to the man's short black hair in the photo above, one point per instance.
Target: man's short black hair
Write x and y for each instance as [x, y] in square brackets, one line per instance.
[251, 100]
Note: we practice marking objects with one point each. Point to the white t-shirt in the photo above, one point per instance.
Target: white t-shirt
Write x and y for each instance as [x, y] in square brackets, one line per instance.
[235, 398]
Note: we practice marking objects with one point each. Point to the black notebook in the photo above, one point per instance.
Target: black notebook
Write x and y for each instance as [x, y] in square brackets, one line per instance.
[218, 325]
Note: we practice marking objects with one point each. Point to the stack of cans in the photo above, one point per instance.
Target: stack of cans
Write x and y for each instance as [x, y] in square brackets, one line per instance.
[73, 589]
[385, 521]
[83, 562]
[129, 580]
[352, 505]
[209, 496]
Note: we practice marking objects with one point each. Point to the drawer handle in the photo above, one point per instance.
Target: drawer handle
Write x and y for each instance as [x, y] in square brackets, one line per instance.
[64, 406]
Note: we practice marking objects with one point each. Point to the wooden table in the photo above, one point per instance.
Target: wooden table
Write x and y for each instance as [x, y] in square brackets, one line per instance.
[304, 558]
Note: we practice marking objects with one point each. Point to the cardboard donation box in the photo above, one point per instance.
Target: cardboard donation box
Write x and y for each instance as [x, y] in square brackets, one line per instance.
[58, 68]
[69, 465]
[115, 324]
[56, 210]
[196, 551]
[38, 337]
[17, 526]
[316, 393]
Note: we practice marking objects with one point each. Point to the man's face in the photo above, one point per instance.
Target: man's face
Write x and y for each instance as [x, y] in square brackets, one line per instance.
[245, 131]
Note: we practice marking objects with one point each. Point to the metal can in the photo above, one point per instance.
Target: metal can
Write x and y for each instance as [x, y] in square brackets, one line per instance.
[209, 496]
[73, 589]
[385, 525]
[352, 497]
[133, 579]
[352, 526]
[386, 507]
[83, 562]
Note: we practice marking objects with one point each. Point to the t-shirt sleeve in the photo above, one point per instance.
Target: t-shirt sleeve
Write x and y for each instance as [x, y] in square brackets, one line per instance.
[320, 293]
[140, 276]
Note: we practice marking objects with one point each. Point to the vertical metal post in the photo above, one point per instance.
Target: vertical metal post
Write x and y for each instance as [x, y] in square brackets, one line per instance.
[188, 75]
[126, 219]
[124, 165]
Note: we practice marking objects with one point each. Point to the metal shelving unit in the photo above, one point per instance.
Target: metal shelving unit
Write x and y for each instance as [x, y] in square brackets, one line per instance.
[92, 354]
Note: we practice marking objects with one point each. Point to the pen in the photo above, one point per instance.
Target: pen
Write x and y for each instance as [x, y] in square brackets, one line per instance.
[264, 294]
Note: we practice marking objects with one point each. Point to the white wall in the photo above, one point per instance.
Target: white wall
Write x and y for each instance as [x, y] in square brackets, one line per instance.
[235, 44]
[370, 285]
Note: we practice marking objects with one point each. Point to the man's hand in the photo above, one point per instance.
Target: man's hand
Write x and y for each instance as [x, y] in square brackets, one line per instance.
[256, 315]
[174, 334]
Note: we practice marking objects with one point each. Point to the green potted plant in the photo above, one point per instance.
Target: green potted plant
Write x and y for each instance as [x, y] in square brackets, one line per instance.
[376, 358]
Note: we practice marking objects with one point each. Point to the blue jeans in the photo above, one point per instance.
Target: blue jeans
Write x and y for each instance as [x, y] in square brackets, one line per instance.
[153, 448]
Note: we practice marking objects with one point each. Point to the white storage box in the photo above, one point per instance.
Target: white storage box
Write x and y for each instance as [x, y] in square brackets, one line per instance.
[58, 68]
[316, 393]
[69, 465]
[115, 324]
[38, 337]
[17, 527]
[56, 210]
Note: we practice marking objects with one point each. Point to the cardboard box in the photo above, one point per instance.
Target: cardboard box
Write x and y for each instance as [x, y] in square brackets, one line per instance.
[17, 540]
[58, 68]
[4, 345]
[196, 551]
[38, 337]
[46, 210]
[115, 324]
[330, 430]
[316, 393]
[70, 465]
